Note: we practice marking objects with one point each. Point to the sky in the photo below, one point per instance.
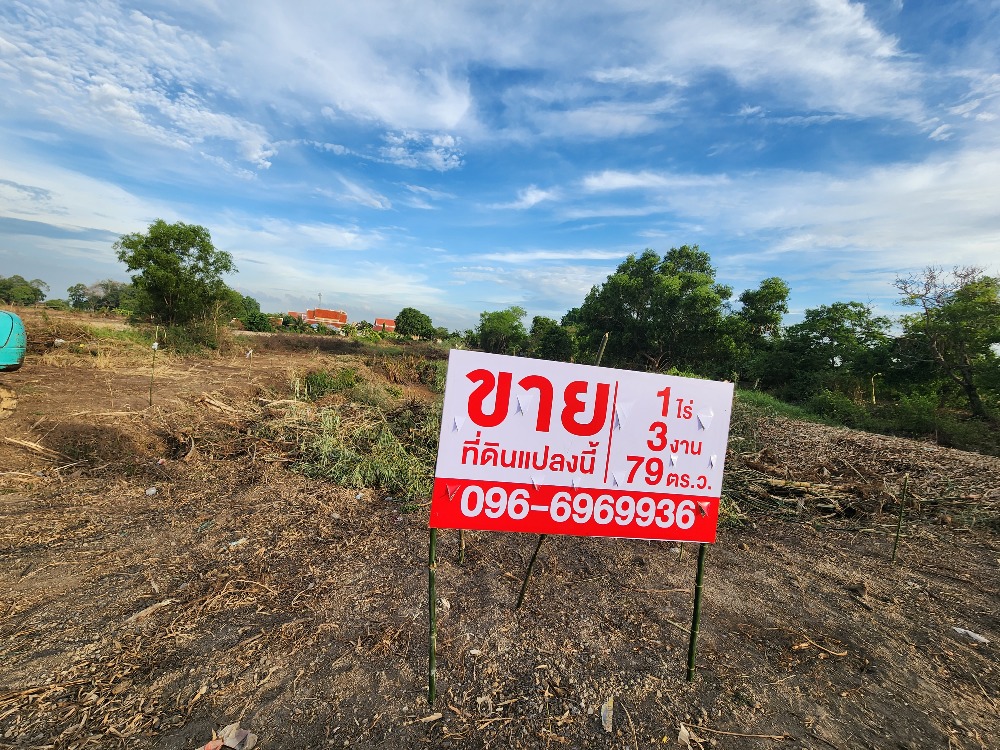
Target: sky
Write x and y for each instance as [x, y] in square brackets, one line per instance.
[461, 157]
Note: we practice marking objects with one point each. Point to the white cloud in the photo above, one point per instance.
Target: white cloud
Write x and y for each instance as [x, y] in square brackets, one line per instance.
[611, 211]
[527, 198]
[536, 256]
[439, 152]
[628, 74]
[112, 72]
[606, 119]
[421, 197]
[941, 133]
[901, 216]
[43, 192]
[22, 199]
[547, 290]
[400, 67]
[282, 239]
[612, 179]
[355, 193]
[430, 193]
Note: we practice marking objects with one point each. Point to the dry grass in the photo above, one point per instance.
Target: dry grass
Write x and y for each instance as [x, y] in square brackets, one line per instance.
[243, 591]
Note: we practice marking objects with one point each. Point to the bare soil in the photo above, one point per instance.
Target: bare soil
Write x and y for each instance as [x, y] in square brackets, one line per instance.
[165, 571]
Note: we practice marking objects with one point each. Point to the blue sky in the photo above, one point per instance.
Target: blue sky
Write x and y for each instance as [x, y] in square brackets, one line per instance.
[466, 156]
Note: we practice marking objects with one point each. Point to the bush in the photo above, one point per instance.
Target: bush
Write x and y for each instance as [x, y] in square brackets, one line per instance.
[915, 414]
[352, 388]
[257, 321]
[319, 383]
[366, 447]
[968, 434]
[756, 404]
[838, 408]
[194, 338]
[433, 373]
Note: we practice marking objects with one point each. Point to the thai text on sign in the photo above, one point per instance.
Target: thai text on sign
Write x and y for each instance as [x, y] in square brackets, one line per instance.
[555, 448]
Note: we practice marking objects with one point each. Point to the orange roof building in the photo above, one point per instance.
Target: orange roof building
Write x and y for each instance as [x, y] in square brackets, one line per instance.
[329, 318]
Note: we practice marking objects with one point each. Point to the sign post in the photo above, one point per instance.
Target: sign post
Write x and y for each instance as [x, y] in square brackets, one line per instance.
[554, 448]
[696, 617]
[432, 617]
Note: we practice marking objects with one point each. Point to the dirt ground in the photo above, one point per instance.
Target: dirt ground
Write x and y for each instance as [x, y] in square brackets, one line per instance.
[164, 572]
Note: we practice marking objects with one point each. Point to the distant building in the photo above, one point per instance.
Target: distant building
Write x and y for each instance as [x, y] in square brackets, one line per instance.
[329, 318]
[385, 324]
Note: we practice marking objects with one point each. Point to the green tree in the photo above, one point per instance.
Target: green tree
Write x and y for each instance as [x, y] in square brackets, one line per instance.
[661, 313]
[959, 318]
[17, 290]
[500, 332]
[107, 294]
[412, 322]
[837, 347]
[252, 318]
[763, 308]
[549, 340]
[756, 327]
[245, 309]
[179, 272]
[78, 297]
[292, 323]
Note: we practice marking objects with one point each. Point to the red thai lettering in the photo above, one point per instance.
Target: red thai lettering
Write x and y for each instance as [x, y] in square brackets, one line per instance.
[575, 405]
[488, 383]
[544, 388]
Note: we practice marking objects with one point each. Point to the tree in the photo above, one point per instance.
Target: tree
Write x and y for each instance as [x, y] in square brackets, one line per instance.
[19, 291]
[501, 332]
[837, 347]
[549, 340]
[661, 313]
[78, 297]
[756, 327]
[251, 317]
[109, 294]
[412, 322]
[102, 295]
[959, 317]
[179, 271]
[763, 308]
[292, 323]
[244, 308]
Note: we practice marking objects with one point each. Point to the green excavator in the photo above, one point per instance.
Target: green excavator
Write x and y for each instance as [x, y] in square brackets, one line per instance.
[13, 343]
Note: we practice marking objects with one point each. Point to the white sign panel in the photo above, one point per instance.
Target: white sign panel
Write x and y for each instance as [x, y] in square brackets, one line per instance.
[555, 448]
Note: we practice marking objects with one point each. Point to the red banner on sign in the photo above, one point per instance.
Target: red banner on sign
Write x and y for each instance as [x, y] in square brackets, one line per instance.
[509, 506]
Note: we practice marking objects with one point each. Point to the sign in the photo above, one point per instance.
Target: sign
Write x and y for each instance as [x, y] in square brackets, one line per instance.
[554, 448]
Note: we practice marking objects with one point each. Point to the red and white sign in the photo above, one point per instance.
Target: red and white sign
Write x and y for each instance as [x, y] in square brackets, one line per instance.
[555, 448]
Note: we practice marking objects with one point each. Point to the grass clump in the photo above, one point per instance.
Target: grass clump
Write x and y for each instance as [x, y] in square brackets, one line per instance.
[760, 404]
[320, 383]
[408, 368]
[361, 446]
[196, 338]
[433, 373]
[347, 383]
